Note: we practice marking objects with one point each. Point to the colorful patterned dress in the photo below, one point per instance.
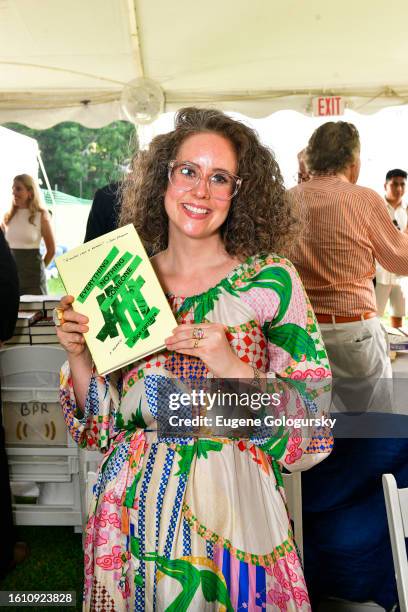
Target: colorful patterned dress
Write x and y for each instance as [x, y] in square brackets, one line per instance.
[202, 525]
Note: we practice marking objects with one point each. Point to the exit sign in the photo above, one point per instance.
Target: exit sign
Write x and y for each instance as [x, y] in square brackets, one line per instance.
[327, 106]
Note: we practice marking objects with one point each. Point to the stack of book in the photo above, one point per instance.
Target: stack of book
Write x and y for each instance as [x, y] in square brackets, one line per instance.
[22, 330]
[43, 303]
[398, 339]
[34, 324]
[43, 332]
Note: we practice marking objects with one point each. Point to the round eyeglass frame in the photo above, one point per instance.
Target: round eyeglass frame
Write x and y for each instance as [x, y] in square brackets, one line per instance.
[238, 179]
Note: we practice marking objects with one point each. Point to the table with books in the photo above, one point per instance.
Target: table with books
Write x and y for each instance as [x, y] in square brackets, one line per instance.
[34, 324]
[47, 470]
[398, 340]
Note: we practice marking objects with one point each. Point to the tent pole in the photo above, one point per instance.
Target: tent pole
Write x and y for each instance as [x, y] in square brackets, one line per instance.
[47, 182]
[135, 38]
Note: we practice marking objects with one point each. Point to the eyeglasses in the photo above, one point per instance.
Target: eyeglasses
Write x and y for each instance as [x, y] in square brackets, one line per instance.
[186, 175]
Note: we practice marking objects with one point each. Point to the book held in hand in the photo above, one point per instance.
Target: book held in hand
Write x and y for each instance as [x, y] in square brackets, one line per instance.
[115, 286]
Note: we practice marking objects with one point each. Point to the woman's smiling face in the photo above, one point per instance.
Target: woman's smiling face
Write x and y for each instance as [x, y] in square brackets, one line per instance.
[196, 213]
[21, 195]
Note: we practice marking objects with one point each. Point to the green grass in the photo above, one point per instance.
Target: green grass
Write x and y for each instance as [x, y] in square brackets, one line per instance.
[55, 286]
[55, 564]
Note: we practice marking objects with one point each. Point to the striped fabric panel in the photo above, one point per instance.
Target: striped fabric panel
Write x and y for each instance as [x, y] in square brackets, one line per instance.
[186, 538]
[260, 587]
[141, 528]
[246, 583]
[347, 229]
[234, 567]
[168, 464]
[243, 595]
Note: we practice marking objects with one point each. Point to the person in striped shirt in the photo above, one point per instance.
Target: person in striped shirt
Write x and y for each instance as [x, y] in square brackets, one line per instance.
[348, 228]
[346, 542]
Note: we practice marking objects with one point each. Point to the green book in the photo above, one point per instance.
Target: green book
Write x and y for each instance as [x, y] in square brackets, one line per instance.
[114, 284]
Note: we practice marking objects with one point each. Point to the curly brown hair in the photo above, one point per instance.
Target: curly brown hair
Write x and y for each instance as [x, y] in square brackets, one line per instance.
[332, 147]
[260, 219]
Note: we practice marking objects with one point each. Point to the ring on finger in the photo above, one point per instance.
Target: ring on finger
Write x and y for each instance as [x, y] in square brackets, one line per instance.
[58, 317]
[198, 333]
[196, 342]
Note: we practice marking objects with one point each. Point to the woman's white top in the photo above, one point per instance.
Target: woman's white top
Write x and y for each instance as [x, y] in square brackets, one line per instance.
[20, 233]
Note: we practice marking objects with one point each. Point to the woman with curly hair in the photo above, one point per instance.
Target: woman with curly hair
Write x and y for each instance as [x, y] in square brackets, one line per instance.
[26, 224]
[200, 523]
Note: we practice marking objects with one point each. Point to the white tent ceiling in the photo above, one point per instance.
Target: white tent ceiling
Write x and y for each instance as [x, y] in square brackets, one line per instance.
[69, 59]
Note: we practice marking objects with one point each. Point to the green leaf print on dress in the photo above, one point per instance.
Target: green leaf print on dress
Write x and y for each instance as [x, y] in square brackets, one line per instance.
[190, 578]
[184, 572]
[187, 452]
[202, 304]
[214, 589]
[275, 278]
[293, 339]
[136, 420]
[207, 445]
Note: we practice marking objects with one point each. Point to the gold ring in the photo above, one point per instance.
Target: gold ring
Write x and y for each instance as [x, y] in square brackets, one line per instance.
[196, 342]
[198, 333]
[58, 317]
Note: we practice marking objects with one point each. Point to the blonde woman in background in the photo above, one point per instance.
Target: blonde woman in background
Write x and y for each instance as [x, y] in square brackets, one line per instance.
[25, 224]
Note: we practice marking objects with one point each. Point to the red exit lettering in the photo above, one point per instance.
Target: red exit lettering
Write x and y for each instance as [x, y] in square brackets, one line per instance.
[326, 106]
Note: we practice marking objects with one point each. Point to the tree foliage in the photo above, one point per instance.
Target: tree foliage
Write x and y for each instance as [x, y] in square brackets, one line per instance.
[80, 160]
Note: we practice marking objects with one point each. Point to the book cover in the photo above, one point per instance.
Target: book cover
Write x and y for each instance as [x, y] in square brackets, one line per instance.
[114, 284]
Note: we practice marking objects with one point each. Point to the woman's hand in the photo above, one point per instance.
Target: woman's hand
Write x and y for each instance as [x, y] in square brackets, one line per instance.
[212, 348]
[74, 325]
[70, 334]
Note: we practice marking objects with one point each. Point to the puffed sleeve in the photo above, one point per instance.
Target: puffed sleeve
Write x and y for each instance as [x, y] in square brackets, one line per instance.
[93, 427]
[297, 368]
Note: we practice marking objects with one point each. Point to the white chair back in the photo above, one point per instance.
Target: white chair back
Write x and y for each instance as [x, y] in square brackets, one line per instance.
[396, 502]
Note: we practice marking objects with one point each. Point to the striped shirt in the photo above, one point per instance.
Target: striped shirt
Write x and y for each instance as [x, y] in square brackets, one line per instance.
[347, 228]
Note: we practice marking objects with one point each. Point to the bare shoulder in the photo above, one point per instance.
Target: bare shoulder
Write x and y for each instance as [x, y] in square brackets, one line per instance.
[45, 215]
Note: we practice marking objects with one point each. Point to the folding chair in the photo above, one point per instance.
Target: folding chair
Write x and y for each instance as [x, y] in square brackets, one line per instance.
[396, 502]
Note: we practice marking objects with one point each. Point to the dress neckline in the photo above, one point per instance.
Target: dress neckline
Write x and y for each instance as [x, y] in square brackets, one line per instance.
[197, 296]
